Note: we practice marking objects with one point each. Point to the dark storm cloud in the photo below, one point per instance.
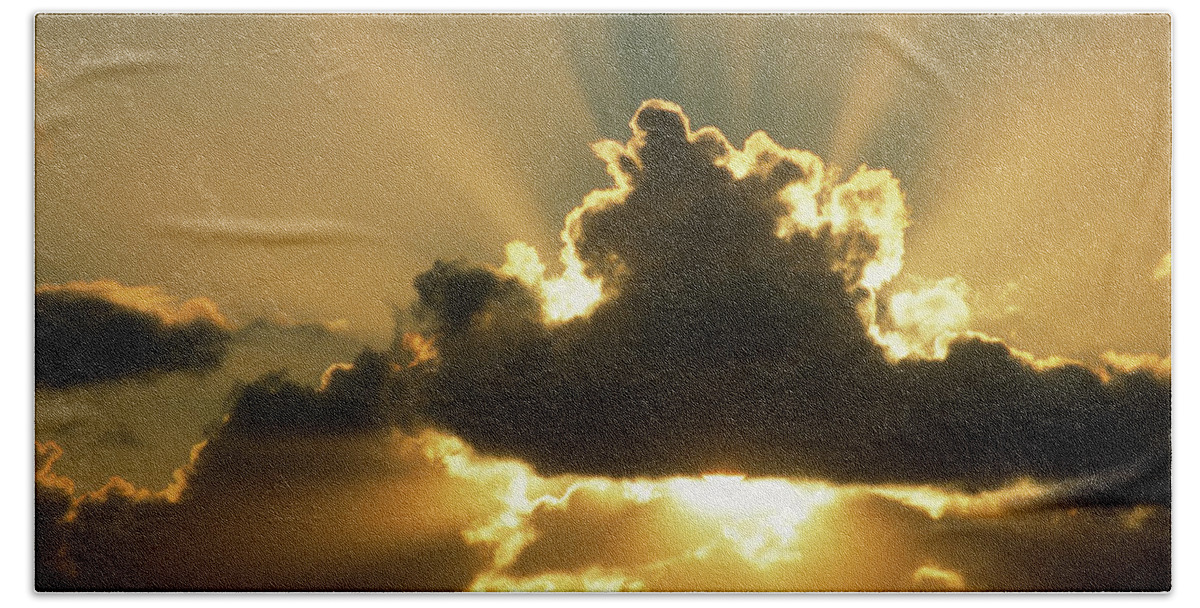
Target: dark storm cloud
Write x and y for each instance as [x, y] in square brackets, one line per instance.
[287, 514]
[452, 294]
[355, 402]
[722, 346]
[353, 398]
[297, 489]
[139, 429]
[93, 332]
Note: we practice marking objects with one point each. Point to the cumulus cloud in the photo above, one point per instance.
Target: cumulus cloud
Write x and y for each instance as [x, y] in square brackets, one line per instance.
[739, 325]
[351, 398]
[141, 430]
[98, 331]
[344, 513]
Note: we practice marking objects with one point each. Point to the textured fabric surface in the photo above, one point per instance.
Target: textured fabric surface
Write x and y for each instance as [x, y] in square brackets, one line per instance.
[603, 302]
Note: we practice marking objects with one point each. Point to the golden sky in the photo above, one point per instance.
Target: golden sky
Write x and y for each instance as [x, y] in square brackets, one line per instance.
[310, 166]
[654, 302]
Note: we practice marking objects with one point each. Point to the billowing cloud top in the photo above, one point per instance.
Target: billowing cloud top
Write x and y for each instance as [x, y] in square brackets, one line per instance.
[724, 310]
[92, 332]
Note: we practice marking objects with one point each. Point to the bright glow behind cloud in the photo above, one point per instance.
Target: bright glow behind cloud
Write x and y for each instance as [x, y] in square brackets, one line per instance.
[764, 523]
[869, 202]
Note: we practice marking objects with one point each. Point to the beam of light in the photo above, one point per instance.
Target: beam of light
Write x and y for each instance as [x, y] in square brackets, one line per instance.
[761, 517]
[1055, 173]
[452, 123]
[590, 580]
[770, 526]
[764, 521]
[876, 77]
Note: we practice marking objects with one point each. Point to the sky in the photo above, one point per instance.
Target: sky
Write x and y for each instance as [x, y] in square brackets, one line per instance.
[251, 159]
[525, 301]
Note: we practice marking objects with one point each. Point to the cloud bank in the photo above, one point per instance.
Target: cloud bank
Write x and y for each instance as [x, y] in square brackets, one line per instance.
[720, 391]
[424, 511]
[100, 331]
[744, 324]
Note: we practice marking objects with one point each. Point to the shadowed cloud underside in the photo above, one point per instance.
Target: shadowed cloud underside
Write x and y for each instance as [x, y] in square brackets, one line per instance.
[739, 329]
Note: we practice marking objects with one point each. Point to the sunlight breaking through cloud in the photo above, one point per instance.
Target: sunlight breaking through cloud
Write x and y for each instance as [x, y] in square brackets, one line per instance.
[869, 203]
[765, 522]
